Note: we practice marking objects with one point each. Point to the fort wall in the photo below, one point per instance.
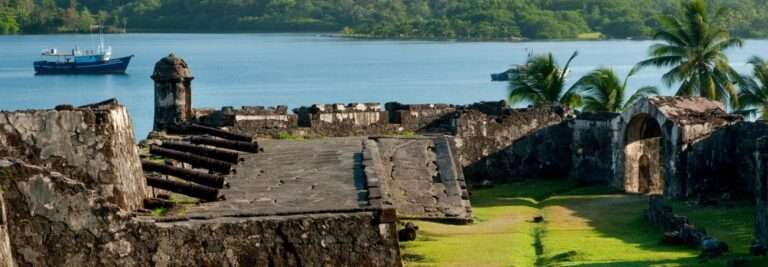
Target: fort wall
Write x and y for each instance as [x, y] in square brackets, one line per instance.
[91, 144]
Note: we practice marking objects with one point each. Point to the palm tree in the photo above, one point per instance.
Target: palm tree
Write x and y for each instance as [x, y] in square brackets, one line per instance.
[601, 90]
[541, 81]
[753, 97]
[694, 48]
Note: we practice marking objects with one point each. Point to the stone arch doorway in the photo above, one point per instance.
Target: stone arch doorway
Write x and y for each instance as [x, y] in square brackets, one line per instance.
[642, 154]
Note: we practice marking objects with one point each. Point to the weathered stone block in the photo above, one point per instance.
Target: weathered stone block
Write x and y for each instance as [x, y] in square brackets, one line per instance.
[94, 146]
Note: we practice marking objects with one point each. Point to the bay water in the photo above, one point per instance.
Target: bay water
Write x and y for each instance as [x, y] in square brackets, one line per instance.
[305, 69]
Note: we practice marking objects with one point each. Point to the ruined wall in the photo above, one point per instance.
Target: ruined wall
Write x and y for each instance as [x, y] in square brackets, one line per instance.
[419, 177]
[724, 161]
[496, 147]
[594, 147]
[6, 250]
[761, 193]
[356, 119]
[256, 121]
[341, 120]
[663, 216]
[53, 220]
[544, 153]
[95, 146]
[423, 118]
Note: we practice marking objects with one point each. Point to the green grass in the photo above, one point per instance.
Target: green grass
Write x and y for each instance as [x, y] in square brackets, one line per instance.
[584, 226]
[159, 212]
[182, 199]
[289, 136]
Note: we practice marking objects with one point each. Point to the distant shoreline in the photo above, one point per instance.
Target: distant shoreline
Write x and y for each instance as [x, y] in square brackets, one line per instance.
[353, 36]
[368, 37]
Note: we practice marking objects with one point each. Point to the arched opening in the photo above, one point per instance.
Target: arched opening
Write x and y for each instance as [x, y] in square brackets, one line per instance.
[642, 153]
[642, 126]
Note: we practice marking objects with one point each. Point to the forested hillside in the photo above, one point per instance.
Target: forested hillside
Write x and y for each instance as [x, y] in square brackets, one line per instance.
[459, 19]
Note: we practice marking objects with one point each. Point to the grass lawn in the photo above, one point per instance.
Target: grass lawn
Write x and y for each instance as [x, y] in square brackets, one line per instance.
[588, 226]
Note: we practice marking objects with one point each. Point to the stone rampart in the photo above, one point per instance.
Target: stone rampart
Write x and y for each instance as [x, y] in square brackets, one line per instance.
[344, 120]
[761, 194]
[50, 219]
[94, 145]
[513, 144]
[422, 117]
[594, 147]
[252, 120]
[725, 161]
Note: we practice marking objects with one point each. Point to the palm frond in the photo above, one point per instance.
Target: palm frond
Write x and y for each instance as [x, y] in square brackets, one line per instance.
[639, 94]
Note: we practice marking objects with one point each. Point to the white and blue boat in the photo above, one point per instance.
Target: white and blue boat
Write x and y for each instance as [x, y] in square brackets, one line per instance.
[76, 61]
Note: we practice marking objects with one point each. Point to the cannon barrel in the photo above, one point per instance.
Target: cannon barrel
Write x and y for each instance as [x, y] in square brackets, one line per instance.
[197, 161]
[154, 203]
[215, 153]
[200, 129]
[202, 178]
[193, 190]
[228, 144]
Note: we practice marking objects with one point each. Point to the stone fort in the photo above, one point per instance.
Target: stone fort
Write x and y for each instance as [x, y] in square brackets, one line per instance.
[78, 191]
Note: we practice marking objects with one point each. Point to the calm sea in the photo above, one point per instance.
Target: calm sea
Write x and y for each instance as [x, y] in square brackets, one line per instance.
[302, 69]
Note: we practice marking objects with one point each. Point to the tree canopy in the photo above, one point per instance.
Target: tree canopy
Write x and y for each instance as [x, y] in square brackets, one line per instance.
[461, 19]
[693, 47]
[541, 81]
[603, 91]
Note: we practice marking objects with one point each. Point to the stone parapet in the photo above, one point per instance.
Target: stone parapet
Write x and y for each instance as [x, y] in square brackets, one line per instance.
[422, 117]
[94, 145]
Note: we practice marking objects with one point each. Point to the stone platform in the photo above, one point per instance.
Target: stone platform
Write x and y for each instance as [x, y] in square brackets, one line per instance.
[291, 177]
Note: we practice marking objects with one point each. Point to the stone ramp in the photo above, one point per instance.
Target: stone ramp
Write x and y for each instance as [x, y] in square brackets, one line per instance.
[296, 176]
[419, 177]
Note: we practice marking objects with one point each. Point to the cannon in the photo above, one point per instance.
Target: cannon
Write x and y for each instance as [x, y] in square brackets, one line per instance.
[215, 153]
[212, 180]
[228, 144]
[200, 129]
[197, 161]
[193, 190]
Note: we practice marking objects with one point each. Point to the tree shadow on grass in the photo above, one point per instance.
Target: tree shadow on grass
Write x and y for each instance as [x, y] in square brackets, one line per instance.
[619, 217]
[623, 217]
[609, 214]
[534, 191]
[691, 261]
[409, 257]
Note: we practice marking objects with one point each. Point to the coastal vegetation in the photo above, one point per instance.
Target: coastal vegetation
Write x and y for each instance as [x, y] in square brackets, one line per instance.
[541, 81]
[753, 97]
[439, 19]
[603, 91]
[692, 48]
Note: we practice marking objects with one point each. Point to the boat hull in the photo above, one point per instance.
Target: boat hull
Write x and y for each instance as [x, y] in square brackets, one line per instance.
[115, 65]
